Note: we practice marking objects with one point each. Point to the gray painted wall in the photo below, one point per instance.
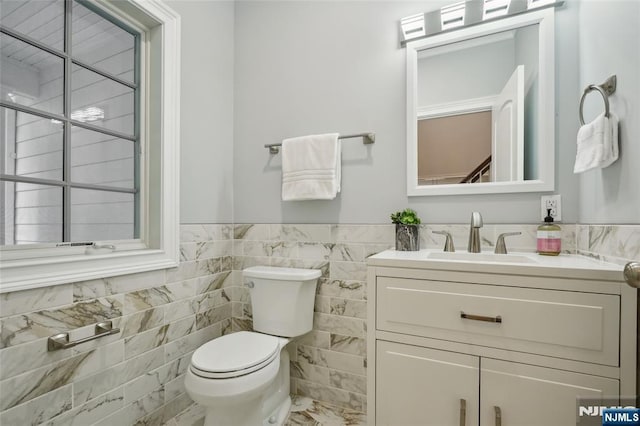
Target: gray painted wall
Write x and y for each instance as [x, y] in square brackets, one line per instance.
[316, 67]
[279, 69]
[206, 189]
[610, 44]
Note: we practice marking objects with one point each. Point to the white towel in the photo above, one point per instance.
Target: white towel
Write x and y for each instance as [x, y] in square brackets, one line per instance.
[597, 144]
[311, 167]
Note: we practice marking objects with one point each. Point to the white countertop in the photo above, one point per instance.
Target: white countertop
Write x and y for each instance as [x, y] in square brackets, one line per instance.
[520, 263]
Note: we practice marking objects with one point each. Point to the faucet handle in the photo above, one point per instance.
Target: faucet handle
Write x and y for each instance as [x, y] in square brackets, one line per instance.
[501, 247]
[448, 244]
[476, 220]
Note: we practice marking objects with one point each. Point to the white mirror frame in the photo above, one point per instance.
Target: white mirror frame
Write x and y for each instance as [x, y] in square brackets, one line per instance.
[545, 145]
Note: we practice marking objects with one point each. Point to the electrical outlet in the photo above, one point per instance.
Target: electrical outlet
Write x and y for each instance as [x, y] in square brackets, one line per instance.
[552, 202]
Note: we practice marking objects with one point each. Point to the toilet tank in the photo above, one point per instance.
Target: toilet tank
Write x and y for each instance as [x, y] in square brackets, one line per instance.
[282, 299]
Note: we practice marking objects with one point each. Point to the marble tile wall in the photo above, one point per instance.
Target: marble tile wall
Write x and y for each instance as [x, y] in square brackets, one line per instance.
[612, 243]
[134, 377]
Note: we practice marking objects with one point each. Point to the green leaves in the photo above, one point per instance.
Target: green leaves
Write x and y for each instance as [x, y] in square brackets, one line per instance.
[406, 217]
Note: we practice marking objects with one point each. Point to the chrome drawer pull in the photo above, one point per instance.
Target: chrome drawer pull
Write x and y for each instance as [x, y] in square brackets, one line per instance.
[498, 415]
[61, 340]
[463, 412]
[497, 319]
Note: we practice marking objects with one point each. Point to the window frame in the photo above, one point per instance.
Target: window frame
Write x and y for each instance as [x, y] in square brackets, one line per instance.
[40, 265]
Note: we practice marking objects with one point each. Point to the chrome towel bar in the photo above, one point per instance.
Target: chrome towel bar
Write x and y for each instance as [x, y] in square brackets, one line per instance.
[367, 138]
[61, 340]
[606, 89]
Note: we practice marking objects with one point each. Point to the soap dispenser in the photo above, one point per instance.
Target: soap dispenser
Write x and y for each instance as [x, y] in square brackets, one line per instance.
[549, 240]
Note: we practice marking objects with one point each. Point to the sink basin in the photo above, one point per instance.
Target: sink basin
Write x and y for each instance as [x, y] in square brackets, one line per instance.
[481, 257]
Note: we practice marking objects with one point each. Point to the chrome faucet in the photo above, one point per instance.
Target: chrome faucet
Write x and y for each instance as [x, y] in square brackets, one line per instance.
[448, 244]
[501, 247]
[474, 233]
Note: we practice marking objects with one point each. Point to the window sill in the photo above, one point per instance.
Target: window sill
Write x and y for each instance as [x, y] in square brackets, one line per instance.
[42, 272]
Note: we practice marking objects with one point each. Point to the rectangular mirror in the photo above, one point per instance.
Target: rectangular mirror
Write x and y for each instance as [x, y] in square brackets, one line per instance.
[480, 108]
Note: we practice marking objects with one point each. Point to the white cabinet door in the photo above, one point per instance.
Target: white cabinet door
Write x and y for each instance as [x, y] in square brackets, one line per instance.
[529, 395]
[419, 386]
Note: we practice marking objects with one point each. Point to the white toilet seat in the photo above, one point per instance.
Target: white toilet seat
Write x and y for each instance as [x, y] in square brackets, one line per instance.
[232, 374]
[235, 355]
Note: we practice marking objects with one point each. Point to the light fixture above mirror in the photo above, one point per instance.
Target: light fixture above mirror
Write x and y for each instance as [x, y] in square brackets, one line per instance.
[494, 8]
[452, 16]
[465, 14]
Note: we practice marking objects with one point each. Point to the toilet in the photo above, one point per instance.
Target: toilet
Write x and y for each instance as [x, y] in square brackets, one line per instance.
[242, 379]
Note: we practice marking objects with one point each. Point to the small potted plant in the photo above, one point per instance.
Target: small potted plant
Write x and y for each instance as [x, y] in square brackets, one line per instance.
[407, 230]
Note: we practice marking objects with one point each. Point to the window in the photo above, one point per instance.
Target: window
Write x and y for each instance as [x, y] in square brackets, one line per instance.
[89, 139]
[71, 142]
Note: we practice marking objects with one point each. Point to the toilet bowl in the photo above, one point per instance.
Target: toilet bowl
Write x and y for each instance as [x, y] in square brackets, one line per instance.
[230, 375]
[242, 379]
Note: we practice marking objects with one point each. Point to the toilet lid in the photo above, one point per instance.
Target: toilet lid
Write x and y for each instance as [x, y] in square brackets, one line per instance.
[235, 354]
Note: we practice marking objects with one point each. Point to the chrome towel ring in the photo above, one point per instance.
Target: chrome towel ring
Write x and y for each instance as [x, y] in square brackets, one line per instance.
[606, 89]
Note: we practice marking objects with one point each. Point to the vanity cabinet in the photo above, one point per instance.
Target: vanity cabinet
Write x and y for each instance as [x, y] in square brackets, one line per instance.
[424, 386]
[532, 395]
[453, 343]
[415, 384]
